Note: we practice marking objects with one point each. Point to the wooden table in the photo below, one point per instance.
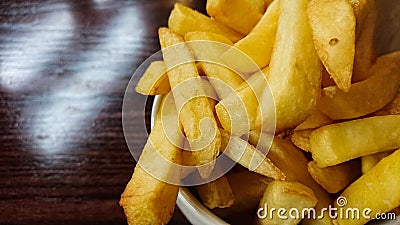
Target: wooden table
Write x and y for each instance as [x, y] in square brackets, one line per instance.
[64, 67]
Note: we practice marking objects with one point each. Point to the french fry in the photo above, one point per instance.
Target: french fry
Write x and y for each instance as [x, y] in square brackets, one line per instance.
[154, 80]
[257, 45]
[369, 161]
[366, 96]
[216, 194]
[193, 106]
[207, 48]
[146, 199]
[232, 13]
[258, 5]
[301, 139]
[378, 190]
[238, 111]
[335, 178]
[246, 155]
[292, 162]
[183, 20]
[315, 120]
[287, 195]
[393, 108]
[333, 27]
[295, 70]
[365, 55]
[341, 142]
[248, 188]
[361, 9]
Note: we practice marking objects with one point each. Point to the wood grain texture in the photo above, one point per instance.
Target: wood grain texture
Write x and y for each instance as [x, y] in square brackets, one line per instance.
[64, 67]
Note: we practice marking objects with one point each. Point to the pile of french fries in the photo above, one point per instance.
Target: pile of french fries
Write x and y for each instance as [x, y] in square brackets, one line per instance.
[334, 99]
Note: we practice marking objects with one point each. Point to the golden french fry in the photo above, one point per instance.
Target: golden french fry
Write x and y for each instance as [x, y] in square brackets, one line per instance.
[369, 161]
[258, 5]
[292, 162]
[248, 188]
[295, 70]
[258, 44]
[366, 96]
[333, 27]
[315, 120]
[216, 194]
[287, 195]
[335, 178]
[393, 108]
[377, 190]
[232, 13]
[365, 55]
[238, 111]
[301, 139]
[341, 142]
[146, 199]
[154, 80]
[183, 20]
[207, 48]
[361, 9]
[193, 105]
[248, 156]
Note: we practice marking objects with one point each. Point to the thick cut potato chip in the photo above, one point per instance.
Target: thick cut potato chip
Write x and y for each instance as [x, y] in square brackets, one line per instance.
[292, 162]
[365, 55]
[286, 195]
[377, 190]
[335, 178]
[146, 199]
[341, 142]
[333, 26]
[295, 70]
[208, 48]
[315, 120]
[183, 20]
[232, 14]
[248, 156]
[301, 139]
[369, 161]
[216, 194]
[258, 44]
[154, 80]
[366, 96]
[238, 111]
[193, 105]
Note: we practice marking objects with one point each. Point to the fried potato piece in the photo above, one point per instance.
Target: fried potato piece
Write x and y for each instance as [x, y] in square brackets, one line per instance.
[301, 139]
[393, 108]
[183, 20]
[154, 80]
[369, 161]
[365, 55]
[361, 9]
[146, 199]
[208, 48]
[248, 188]
[315, 120]
[248, 156]
[238, 111]
[258, 44]
[193, 106]
[366, 96]
[287, 195]
[292, 162]
[232, 13]
[335, 178]
[378, 190]
[341, 142]
[295, 70]
[333, 27]
[258, 5]
[216, 194]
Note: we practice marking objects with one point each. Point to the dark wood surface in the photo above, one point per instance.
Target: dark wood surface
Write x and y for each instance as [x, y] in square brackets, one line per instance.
[64, 67]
